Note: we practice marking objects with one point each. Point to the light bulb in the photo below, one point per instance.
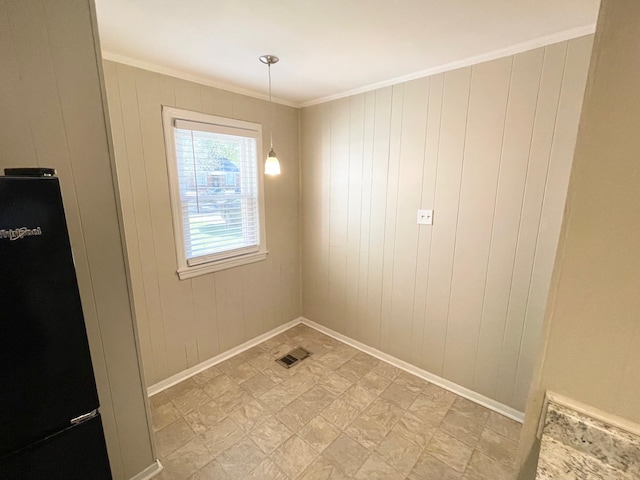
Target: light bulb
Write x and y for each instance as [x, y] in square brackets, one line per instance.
[272, 165]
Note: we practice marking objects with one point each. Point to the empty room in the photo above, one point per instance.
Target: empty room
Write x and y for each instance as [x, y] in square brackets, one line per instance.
[319, 240]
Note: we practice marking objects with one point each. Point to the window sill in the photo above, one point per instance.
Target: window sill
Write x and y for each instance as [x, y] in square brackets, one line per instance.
[197, 270]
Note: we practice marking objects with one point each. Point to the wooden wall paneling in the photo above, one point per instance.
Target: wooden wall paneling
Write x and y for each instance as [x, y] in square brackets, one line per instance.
[390, 214]
[177, 296]
[483, 144]
[455, 102]
[410, 175]
[310, 204]
[354, 189]
[139, 300]
[381, 142]
[569, 109]
[543, 132]
[15, 136]
[146, 244]
[427, 198]
[362, 332]
[518, 129]
[324, 199]
[338, 211]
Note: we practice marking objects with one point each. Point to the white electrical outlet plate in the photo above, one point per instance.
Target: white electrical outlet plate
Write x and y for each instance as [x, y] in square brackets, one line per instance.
[425, 217]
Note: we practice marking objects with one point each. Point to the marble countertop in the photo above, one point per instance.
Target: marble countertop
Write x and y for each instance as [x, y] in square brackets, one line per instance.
[577, 446]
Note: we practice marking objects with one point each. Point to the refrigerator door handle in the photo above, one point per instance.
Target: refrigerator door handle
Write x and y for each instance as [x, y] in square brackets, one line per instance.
[84, 417]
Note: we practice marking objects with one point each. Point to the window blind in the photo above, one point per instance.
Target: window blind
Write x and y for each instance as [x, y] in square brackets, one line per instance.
[217, 175]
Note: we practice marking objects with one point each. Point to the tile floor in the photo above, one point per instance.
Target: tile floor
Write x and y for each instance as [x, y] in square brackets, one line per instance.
[339, 414]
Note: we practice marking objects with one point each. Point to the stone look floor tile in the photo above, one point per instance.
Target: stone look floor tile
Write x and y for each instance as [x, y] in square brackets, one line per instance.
[367, 431]
[438, 396]
[296, 415]
[399, 452]
[482, 467]
[414, 429]
[298, 383]
[164, 415]
[205, 416]
[210, 471]
[221, 436]
[242, 373]
[471, 409]
[375, 383]
[219, 386]
[206, 375]
[384, 412]
[188, 459]
[267, 470]
[464, 428]
[504, 426]
[322, 469]
[239, 459]
[270, 435]
[429, 468]
[173, 436]
[335, 383]
[319, 433]
[386, 370]
[276, 398]
[249, 415]
[410, 382]
[347, 454]
[257, 385]
[294, 456]
[497, 447]
[399, 395]
[317, 398]
[429, 412]
[375, 468]
[189, 399]
[450, 451]
[358, 397]
[340, 413]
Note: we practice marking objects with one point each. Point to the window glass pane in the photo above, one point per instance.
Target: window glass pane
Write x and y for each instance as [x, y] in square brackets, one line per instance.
[217, 176]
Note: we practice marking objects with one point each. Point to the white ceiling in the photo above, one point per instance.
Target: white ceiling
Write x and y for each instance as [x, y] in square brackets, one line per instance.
[328, 48]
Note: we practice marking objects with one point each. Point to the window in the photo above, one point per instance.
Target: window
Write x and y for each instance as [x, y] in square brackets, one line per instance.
[216, 190]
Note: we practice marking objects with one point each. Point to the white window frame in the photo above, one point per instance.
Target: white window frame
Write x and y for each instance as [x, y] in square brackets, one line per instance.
[223, 260]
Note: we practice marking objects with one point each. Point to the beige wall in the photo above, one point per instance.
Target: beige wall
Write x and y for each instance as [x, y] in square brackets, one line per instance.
[592, 353]
[51, 100]
[489, 148]
[185, 322]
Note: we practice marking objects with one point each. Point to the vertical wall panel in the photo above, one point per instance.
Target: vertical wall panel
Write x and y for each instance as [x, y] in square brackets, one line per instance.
[412, 150]
[514, 158]
[461, 298]
[453, 121]
[482, 146]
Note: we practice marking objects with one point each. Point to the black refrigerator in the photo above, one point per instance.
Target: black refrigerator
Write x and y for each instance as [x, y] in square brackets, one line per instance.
[50, 425]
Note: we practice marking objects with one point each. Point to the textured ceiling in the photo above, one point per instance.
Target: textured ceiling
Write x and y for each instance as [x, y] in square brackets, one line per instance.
[327, 48]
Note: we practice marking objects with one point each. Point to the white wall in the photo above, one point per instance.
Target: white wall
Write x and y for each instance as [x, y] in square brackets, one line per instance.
[489, 148]
[592, 329]
[51, 100]
[185, 322]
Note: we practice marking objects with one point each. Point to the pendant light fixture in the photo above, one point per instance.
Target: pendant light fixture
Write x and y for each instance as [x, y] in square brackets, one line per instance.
[272, 165]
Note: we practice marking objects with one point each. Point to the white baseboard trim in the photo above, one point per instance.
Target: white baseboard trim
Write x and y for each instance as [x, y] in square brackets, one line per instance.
[430, 377]
[190, 372]
[149, 472]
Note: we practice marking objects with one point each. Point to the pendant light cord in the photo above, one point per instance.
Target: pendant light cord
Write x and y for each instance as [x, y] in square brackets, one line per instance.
[270, 111]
